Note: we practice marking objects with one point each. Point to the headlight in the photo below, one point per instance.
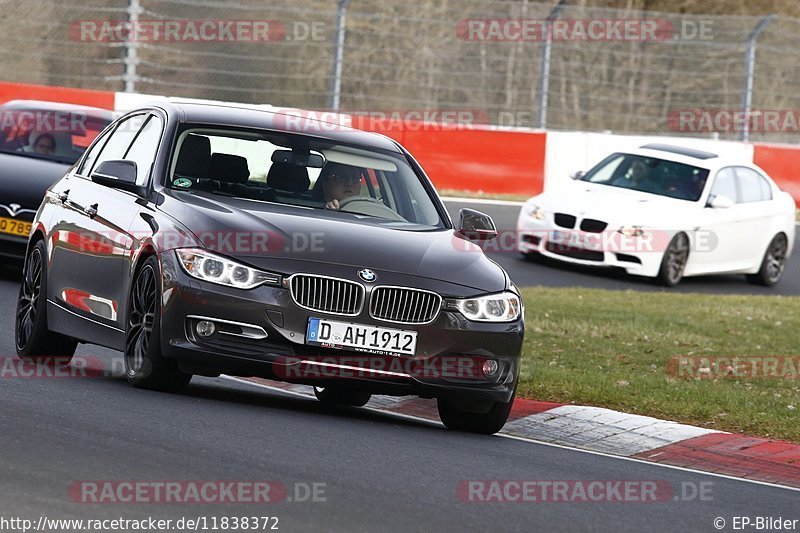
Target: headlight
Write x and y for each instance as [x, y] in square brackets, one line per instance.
[536, 212]
[631, 231]
[217, 269]
[503, 307]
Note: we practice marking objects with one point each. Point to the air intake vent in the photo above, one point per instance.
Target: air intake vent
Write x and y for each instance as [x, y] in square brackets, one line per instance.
[403, 305]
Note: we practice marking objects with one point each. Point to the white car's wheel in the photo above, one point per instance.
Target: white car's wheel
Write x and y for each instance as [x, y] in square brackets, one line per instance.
[674, 261]
[773, 264]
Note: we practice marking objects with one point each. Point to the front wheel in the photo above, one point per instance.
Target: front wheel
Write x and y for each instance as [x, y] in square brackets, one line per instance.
[674, 261]
[144, 365]
[33, 339]
[343, 397]
[487, 423]
[773, 264]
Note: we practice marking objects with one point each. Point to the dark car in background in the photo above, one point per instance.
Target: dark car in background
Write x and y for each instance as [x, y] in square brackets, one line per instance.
[205, 239]
[39, 142]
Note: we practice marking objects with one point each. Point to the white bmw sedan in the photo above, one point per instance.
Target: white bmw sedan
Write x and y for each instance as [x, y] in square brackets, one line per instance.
[665, 212]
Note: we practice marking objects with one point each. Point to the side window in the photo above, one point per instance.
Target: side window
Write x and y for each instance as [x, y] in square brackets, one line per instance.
[91, 155]
[753, 186]
[120, 140]
[725, 184]
[143, 149]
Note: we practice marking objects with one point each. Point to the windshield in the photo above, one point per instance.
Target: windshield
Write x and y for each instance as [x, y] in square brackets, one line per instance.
[56, 135]
[650, 175]
[355, 182]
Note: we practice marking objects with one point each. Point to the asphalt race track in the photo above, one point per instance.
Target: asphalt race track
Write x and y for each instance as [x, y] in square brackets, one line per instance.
[526, 273]
[380, 472]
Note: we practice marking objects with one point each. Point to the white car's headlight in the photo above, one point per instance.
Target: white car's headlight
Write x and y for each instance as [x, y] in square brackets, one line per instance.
[213, 268]
[503, 307]
[632, 231]
[536, 212]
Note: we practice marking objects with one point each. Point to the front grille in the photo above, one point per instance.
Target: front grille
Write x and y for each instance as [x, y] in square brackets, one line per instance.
[329, 295]
[406, 306]
[591, 225]
[574, 252]
[564, 220]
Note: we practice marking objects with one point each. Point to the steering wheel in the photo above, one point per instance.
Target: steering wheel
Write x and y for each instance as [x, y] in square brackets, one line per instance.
[364, 205]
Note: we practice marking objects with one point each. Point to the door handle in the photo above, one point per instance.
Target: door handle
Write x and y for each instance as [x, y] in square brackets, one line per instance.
[63, 195]
[91, 210]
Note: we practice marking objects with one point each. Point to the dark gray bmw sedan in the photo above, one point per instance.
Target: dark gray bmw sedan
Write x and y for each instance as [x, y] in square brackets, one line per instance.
[206, 239]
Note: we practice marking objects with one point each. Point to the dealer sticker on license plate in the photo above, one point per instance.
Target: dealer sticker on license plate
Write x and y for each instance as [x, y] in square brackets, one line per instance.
[362, 338]
[15, 227]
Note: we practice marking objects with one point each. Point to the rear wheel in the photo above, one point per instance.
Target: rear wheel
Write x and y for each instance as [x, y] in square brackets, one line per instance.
[773, 264]
[338, 396]
[486, 423]
[144, 365]
[674, 261]
[33, 339]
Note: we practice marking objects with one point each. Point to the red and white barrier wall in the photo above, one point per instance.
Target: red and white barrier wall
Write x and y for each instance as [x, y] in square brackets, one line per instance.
[481, 158]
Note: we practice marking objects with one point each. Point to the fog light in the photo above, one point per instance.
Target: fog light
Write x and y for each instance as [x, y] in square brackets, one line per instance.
[490, 367]
[205, 328]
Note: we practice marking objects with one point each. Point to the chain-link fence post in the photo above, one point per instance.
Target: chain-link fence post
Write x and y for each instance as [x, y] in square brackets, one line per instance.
[338, 54]
[749, 69]
[544, 68]
[131, 47]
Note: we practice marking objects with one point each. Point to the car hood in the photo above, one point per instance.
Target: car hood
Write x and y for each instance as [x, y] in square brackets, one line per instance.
[614, 204]
[295, 235]
[24, 180]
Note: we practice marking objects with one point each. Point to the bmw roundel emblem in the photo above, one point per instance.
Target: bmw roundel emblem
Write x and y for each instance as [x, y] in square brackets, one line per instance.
[367, 275]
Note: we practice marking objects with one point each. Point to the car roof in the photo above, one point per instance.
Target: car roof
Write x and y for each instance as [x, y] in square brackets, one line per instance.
[685, 155]
[43, 105]
[257, 117]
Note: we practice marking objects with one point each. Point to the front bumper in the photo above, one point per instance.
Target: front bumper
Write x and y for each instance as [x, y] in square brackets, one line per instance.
[272, 343]
[598, 249]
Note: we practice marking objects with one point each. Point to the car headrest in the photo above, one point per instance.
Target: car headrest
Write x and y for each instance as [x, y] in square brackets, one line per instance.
[194, 159]
[288, 177]
[229, 168]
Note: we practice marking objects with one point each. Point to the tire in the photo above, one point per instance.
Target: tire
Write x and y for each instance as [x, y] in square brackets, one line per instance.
[144, 366]
[342, 397]
[487, 423]
[673, 263]
[32, 338]
[773, 264]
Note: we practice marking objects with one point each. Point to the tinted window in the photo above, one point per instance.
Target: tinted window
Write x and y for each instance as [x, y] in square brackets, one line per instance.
[651, 175]
[753, 186]
[725, 185]
[120, 140]
[91, 155]
[143, 149]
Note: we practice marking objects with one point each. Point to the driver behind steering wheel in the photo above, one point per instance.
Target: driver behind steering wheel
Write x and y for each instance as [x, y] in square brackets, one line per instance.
[340, 182]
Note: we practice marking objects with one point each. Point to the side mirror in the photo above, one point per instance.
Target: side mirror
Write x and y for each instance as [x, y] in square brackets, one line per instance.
[577, 175]
[118, 174]
[475, 225]
[720, 202]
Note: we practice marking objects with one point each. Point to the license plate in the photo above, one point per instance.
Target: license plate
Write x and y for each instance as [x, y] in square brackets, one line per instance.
[370, 339]
[15, 227]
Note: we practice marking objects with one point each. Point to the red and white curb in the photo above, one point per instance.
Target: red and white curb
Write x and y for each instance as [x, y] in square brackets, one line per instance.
[605, 431]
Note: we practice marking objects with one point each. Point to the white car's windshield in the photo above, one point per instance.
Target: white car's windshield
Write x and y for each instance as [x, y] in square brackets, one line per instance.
[650, 175]
[371, 185]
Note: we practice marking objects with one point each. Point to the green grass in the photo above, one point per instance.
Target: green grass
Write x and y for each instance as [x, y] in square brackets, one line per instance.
[611, 348]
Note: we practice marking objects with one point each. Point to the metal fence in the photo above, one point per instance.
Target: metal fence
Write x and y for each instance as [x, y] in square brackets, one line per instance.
[393, 55]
